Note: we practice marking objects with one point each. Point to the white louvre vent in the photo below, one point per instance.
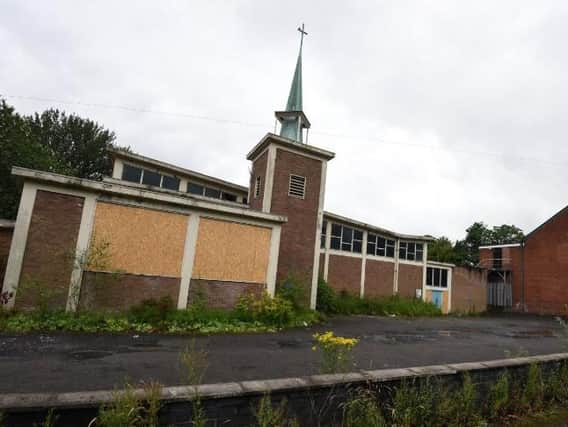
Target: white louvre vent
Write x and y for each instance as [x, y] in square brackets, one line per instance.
[297, 186]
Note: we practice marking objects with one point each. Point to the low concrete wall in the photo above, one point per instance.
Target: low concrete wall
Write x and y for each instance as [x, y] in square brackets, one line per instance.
[233, 403]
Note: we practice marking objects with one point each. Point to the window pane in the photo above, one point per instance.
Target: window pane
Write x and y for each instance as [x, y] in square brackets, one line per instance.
[347, 235]
[170, 182]
[371, 238]
[429, 276]
[444, 283]
[410, 256]
[211, 192]
[336, 230]
[335, 243]
[381, 243]
[357, 246]
[229, 197]
[346, 247]
[371, 248]
[131, 173]
[436, 277]
[195, 189]
[151, 178]
[381, 251]
[402, 251]
[419, 254]
[358, 235]
[390, 251]
[323, 227]
[410, 248]
[322, 241]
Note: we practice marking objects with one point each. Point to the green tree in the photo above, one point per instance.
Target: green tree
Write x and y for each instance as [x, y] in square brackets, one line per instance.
[441, 250]
[51, 141]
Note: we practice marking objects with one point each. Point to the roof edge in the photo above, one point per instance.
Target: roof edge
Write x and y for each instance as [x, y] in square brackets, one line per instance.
[168, 166]
[166, 197]
[288, 143]
[378, 229]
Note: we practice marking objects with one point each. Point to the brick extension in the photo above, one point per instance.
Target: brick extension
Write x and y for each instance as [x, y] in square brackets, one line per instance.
[379, 277]
[409, 279]
[344, 274]
[220, 294]
[50, 250]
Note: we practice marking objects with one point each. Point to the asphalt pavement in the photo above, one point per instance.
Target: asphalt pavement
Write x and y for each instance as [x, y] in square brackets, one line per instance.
[78, 362]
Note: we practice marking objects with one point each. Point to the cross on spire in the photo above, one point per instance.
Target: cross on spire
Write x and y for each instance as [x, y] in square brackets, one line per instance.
[304, 33]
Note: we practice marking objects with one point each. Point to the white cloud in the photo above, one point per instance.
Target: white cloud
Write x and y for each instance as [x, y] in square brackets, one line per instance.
[444, 105]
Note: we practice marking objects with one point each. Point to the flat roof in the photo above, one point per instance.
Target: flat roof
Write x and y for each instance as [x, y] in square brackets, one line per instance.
[289, 143]
[158, 195]
[378, 230]
[177, 169]
[7, 223]
[505, 245]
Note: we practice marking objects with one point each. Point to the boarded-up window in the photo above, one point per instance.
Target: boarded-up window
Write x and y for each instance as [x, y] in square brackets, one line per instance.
[230, 251]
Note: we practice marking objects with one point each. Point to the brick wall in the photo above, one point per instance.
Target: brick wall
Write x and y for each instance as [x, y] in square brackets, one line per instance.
[379, 277]
[5, 241]
[50, 250]
[217, 294]
[108, 291]
[344, 274]
[258, 169]
[469, 290]
[410, 278]
[298, 234]
[546, 267]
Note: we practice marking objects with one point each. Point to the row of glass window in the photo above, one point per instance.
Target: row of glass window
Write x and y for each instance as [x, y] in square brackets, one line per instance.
[437, 277]
[349, 239]
[144, 176]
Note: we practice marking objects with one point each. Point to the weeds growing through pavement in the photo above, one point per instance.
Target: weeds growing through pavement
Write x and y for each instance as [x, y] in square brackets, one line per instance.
[194, 363]
[336, 352]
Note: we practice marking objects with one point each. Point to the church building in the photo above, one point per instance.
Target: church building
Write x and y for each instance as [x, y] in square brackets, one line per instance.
[154, 229]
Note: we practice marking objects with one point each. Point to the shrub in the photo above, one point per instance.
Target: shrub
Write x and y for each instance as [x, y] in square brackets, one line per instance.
[275, 311]
[266, 415]
[151, 311]
[294, 289]
[326, 298]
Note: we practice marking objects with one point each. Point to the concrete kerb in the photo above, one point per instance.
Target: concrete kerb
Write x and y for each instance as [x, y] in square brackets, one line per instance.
[34, 401]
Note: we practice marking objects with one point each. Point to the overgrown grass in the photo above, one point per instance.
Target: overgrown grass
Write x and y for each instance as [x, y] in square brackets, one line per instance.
[332, 303]
[161, 317]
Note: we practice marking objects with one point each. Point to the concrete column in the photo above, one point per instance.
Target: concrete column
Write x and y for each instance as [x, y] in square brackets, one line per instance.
[269, 179]
[81, 251]
[363, 262]
[19, 240]
[396, 265]
[188, 258]
[327, 246]
[273, 260]
[317, 243]
[424, 264]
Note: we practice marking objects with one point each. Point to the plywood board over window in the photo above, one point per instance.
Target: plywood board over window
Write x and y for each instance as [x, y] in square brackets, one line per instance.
[140, 240]
[230, 251]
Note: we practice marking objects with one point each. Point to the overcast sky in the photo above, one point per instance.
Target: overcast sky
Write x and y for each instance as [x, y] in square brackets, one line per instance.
[441, 113]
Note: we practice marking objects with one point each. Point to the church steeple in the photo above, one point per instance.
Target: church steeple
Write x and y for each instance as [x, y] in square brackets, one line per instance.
[293, 120]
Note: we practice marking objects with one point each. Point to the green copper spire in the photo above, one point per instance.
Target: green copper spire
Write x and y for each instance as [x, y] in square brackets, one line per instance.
[295, 98]
[293, 118]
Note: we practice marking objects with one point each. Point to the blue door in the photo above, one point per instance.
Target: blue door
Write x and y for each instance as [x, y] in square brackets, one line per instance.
[437, 298]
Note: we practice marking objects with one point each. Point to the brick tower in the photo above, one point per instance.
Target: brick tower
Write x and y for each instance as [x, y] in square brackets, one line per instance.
[288, 178]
